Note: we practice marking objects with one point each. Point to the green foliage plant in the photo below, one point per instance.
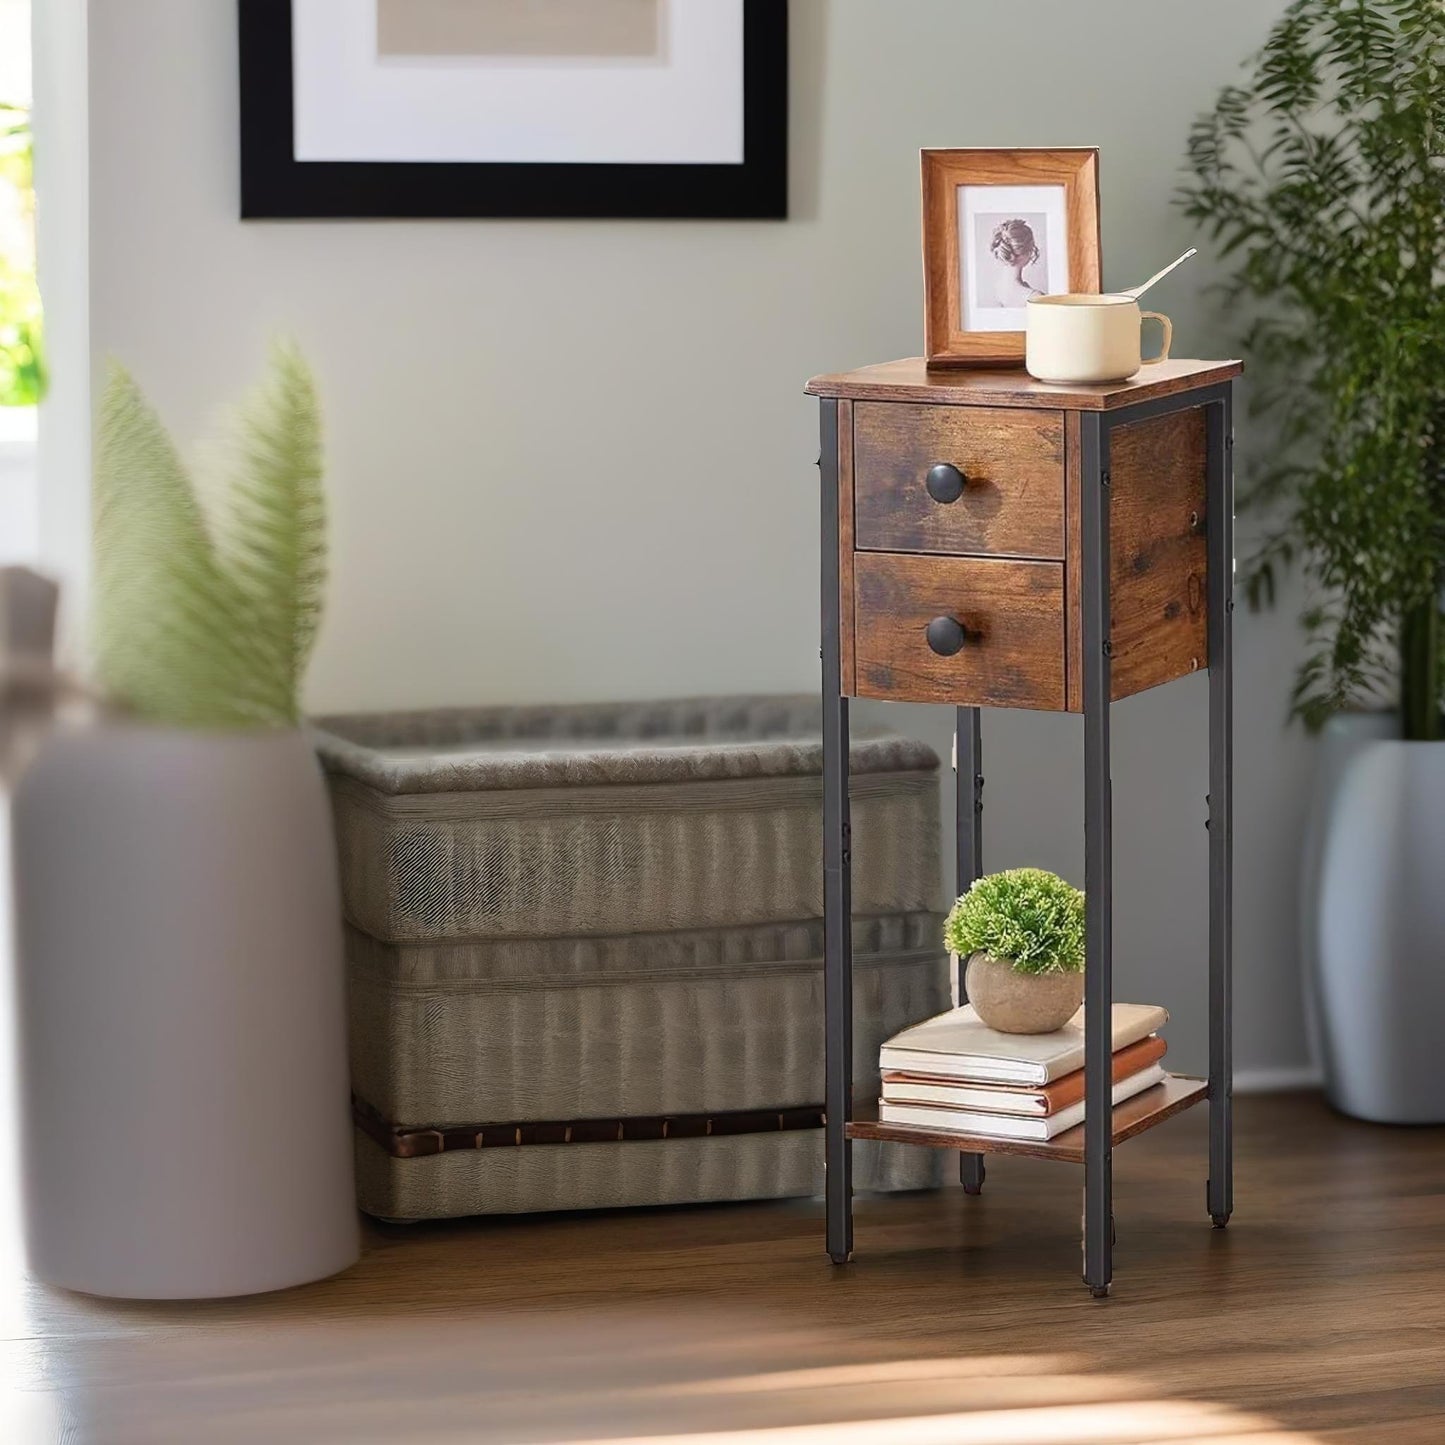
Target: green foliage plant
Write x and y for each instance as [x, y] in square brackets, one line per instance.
[22, 357]
[1024, 916]
[1323, 175]
[206, 614]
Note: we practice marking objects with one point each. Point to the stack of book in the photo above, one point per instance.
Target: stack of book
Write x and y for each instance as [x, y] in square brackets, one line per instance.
[954, 1074]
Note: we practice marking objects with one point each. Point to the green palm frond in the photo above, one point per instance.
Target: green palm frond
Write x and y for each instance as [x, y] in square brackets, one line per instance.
[198, 627]
[274, 540]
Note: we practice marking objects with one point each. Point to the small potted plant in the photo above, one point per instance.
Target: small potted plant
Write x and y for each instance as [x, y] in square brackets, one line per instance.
[1022, 932]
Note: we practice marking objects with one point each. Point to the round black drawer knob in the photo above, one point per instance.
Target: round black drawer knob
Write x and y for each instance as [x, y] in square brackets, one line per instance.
[945, 482]
[946, 635]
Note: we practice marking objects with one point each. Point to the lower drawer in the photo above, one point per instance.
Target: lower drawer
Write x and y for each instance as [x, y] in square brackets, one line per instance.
[971, 631]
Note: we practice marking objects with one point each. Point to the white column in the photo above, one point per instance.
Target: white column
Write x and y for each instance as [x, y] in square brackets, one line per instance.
[62, 186]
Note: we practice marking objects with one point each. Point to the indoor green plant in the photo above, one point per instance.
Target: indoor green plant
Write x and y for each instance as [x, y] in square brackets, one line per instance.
[205, 618]
[179, 919]
[1322, 178]
[1022, 932]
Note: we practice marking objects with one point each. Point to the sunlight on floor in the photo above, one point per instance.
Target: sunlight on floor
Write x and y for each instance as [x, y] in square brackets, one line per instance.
[1117, 1416]
[1134, 1424]
[892, 1372]
[153, 1376]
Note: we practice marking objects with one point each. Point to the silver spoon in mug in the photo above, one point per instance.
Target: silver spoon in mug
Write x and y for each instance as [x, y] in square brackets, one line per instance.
[1135, 292]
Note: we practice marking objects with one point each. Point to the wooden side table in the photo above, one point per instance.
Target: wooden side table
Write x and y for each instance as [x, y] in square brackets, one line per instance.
[993, 541]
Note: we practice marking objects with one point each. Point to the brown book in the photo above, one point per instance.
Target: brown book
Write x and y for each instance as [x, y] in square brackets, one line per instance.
[950, 1120]
[917, 1088]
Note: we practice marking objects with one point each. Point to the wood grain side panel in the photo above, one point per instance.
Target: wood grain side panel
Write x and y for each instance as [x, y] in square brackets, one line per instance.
[845, 545]
[1073, 564]
[1159, 569]
[1013, 611]
[1013, 463]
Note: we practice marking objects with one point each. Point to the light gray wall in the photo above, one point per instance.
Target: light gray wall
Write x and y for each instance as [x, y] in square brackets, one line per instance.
[574, 461]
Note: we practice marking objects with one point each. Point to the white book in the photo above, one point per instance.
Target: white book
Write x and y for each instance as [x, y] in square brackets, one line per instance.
[1007, 1126]
[959, 1045]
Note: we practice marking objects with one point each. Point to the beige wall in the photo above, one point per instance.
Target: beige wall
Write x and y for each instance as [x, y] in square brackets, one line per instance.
[573, 460]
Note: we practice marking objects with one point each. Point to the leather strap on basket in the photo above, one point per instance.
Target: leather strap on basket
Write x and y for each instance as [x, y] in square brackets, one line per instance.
[408, 1142]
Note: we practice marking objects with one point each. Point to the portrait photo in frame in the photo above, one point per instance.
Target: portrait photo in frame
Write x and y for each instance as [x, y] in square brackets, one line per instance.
[1000, 226]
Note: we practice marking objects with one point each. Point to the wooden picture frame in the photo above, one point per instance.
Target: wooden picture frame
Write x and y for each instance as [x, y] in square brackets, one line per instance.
[276, 184]
[999, 225]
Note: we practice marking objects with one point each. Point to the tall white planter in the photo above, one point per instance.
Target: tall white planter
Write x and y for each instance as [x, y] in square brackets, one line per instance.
[1379, 940]
[184, 1090]
[1343, 736]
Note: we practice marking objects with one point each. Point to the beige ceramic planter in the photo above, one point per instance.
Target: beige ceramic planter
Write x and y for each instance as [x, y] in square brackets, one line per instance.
[182, 1014]
[1021, 1003]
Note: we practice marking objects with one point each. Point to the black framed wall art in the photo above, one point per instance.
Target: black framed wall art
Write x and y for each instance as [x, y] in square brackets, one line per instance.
[541, 108]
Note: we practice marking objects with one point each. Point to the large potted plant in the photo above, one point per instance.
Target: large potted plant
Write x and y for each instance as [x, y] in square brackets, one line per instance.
[1323, 175]
[182, 1014]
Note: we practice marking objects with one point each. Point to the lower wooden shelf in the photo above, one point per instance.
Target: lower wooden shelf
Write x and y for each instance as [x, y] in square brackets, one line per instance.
[1132, 1117]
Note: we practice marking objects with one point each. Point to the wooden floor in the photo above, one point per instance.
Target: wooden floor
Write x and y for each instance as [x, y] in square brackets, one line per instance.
[1318, 1316]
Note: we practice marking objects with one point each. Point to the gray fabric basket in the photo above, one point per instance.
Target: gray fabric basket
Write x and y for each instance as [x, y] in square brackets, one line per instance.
[677, 1023]
[686, 1023]
[614, 912]
[615, 819]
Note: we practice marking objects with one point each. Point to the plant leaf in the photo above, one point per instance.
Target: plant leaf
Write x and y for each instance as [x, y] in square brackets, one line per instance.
[166, 617]
[273, 540]
[200, 629]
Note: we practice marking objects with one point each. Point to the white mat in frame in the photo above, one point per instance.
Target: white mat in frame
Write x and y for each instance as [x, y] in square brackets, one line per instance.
[353, 103]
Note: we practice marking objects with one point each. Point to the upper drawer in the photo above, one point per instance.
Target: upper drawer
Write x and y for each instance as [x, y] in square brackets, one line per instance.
[1012, 468]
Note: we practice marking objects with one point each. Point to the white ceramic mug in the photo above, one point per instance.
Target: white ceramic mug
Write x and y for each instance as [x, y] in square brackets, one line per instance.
[1080, 338]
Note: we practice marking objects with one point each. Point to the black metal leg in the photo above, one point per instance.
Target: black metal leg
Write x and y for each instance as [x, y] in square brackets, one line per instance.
[1098, 864]
[1220, 523]
[837, 876]
[838, 977]
[968, 833]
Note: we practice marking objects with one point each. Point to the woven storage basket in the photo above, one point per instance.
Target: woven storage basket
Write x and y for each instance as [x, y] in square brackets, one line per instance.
[694, 1029]
[602, 924]
[528, 823]
[687, 1023]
